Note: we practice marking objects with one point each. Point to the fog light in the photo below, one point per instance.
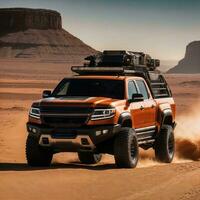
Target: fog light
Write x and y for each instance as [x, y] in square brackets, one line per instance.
[45, 140]
[84, 141]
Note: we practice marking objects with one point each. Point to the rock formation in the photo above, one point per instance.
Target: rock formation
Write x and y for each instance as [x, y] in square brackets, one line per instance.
[191, 62]
[21, 19]
[38, 34]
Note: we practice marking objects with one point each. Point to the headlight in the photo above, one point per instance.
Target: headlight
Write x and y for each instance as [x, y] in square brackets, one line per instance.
[103, 114]
[34, 112]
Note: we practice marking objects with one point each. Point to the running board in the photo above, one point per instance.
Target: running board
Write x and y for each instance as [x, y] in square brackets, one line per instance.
[146, 141]
[146, 135]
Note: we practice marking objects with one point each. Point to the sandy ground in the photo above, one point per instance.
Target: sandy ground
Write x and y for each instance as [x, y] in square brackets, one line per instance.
[21, 83]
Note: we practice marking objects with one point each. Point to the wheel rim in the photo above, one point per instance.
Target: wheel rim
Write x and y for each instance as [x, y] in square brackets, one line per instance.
[133, 151]
[171, 145]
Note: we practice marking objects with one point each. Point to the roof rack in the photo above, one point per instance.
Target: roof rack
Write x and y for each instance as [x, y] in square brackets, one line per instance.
[125, 71]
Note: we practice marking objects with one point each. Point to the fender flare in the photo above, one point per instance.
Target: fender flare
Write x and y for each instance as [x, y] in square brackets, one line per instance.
[123, 117]
[166, 113]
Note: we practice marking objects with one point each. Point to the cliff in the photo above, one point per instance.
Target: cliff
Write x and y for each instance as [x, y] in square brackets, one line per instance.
[38, 34]
[191, 62]
[24, 18]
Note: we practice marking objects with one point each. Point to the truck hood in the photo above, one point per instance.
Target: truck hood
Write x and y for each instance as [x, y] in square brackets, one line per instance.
[77, 101]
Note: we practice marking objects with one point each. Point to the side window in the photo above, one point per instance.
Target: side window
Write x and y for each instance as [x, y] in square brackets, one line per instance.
[131, 89]
[142, 88]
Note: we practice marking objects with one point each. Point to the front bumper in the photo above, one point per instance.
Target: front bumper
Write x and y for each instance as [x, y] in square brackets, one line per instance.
[73, 139]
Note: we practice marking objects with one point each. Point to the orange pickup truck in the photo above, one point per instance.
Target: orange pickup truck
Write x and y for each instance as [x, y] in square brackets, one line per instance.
[111, 110]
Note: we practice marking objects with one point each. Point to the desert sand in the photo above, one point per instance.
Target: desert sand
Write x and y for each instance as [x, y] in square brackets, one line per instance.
[22, 82]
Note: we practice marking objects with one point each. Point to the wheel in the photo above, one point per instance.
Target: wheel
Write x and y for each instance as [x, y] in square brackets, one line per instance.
[89, 157]
[165, 144]
[126, 150]
[36, 155]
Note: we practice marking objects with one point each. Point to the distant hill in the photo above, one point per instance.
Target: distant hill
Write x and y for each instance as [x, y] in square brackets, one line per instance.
[38, 34]
[191, 62]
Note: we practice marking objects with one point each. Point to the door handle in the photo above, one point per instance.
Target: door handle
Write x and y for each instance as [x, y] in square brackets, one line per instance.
[141, 108]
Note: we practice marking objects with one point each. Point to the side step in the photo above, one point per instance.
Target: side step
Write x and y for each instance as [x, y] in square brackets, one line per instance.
[146, 135]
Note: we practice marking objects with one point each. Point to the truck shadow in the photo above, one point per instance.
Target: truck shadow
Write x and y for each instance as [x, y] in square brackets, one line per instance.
[72, 165]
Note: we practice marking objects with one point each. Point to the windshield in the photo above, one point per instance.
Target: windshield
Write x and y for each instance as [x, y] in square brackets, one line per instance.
[90, 88]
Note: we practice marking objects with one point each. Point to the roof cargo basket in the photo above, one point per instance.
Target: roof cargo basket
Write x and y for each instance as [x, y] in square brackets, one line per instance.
[121, 58]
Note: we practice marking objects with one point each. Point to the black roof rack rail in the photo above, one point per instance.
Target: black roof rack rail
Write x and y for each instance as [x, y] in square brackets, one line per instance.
[124, 71]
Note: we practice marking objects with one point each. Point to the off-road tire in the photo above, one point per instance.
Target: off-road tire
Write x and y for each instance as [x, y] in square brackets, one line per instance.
[126, 150]
[36, 155]
[165, 144]
[89, 157]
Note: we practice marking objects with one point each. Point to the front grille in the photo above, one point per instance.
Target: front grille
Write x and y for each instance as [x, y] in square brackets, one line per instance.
[67, 110]
[65, 121]
[65, 116]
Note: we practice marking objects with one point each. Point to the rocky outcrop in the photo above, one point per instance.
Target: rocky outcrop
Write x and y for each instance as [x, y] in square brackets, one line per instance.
[22, 18]
[191, 62]
[38, 34]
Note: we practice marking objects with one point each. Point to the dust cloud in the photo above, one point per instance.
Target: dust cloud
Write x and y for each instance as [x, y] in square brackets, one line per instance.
[187, 134]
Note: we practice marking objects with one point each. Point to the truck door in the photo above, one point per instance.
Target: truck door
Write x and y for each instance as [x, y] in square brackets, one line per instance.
[136, 108]
[149, 104]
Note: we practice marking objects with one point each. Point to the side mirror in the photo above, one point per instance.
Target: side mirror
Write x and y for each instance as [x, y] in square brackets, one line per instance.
[136, 98]
[46, 93]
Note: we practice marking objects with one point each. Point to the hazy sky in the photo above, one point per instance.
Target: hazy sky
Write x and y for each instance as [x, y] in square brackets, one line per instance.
[159, 27]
